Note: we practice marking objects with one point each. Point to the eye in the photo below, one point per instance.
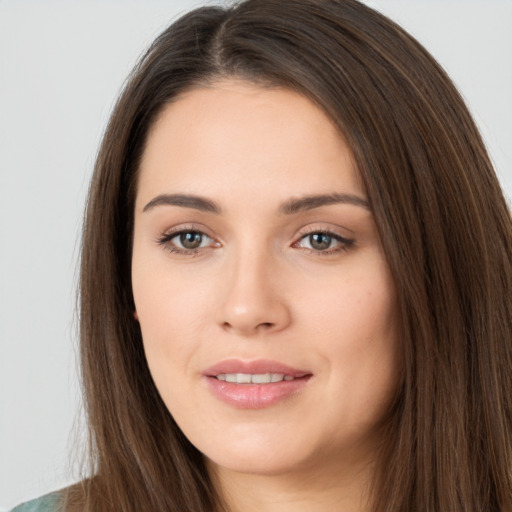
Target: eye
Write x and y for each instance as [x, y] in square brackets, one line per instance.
[186, 241]
[190, 239]
[324, 242]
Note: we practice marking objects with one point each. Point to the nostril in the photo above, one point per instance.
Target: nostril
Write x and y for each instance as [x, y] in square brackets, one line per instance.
[260, 326]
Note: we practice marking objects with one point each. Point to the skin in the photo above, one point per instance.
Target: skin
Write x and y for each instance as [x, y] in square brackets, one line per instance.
[259, 287]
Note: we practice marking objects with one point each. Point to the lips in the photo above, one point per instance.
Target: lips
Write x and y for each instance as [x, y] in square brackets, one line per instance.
[259, 366]
[254, 378]
[254, 384]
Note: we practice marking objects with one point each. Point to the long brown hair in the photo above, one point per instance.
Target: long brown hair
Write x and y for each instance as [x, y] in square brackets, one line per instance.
[444, 225]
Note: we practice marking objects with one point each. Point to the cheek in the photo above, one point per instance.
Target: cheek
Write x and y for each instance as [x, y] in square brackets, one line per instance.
[173, 309]
[167, 324]
[358, 309]
[356, 334]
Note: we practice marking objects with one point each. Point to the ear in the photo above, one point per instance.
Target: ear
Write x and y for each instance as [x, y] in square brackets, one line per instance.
[135, 315]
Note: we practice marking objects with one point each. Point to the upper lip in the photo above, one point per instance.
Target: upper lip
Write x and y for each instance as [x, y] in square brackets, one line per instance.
[258, 366]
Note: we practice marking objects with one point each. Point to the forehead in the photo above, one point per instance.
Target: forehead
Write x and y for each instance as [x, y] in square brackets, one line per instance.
[235, 135]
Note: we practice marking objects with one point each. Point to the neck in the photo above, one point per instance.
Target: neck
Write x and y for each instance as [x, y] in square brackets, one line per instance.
[309, 490]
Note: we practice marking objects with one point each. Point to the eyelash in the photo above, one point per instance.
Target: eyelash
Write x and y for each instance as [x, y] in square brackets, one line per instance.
[345, 244]
[165, 241]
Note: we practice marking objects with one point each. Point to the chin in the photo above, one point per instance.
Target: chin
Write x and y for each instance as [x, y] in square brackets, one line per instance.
[263, 453]
[262, 463]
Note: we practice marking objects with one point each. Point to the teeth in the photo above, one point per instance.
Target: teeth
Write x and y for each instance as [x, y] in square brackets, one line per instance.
[256, 378]
[242, 378]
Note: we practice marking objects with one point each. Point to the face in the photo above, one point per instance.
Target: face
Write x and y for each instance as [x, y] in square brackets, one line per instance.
[265, 301]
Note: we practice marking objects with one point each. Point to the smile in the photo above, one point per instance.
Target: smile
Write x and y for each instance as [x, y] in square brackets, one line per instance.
[255, 378]
[255, 384]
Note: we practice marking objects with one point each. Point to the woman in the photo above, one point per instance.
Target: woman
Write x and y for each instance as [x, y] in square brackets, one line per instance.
[295, 284]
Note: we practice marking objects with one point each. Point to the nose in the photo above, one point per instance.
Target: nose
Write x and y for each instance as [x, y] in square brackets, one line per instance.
[253, 296]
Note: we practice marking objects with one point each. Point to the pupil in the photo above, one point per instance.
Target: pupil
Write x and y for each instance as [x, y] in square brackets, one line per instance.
[191, 240]
[320, 241]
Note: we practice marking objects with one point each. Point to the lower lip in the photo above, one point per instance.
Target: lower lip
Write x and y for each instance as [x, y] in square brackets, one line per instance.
[255, 396]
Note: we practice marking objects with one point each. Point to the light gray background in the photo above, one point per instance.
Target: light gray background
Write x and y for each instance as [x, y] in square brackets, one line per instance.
[61, 65]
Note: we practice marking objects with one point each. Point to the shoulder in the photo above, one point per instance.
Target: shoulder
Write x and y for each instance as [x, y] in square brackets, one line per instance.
[48, 503]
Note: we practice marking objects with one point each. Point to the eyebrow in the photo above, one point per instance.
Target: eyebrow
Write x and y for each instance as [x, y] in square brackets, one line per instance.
[290, 207]
[310, 202]
[185, 201]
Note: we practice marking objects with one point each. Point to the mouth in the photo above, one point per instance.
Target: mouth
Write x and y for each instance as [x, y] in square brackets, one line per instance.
[255, 378]
[255, 384]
